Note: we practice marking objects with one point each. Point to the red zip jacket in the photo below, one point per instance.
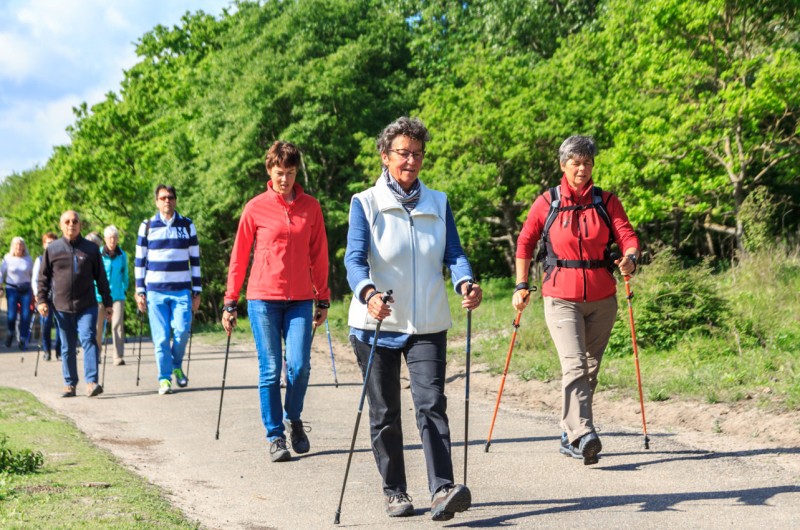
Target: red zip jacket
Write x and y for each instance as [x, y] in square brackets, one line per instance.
[291, 255]
[579, 235]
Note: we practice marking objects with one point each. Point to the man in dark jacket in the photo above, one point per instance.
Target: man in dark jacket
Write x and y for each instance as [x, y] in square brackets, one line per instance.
[70, 268]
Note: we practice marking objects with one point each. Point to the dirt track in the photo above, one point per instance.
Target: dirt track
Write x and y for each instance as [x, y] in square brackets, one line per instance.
[684, 480]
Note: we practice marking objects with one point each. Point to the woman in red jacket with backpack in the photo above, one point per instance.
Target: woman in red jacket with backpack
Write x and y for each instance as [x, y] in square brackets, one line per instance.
[577, 223]
[289, 271]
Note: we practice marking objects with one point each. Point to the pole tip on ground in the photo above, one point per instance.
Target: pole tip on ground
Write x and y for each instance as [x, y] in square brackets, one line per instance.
[646, 442]
[486, 449]
[336, 517]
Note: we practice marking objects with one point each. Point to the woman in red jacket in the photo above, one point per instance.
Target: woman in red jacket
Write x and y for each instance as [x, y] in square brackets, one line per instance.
[290, 270]
[579, 288]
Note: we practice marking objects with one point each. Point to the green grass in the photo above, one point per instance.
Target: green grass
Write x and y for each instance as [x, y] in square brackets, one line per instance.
[80, 485]
[716, 336]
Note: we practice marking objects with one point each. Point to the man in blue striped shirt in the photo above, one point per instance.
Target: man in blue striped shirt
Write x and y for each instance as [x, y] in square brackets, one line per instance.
[168, 283]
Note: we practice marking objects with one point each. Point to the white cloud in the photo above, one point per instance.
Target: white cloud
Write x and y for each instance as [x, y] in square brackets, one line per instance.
[55, 54]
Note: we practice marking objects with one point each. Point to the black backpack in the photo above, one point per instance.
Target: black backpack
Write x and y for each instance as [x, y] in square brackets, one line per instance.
[545, 253]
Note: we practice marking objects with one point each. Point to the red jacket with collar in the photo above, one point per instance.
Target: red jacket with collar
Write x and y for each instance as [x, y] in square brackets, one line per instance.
[290, 260]
[577, 235]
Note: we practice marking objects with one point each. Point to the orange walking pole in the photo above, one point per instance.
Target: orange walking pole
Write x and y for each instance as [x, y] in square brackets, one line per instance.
[636, 358]
[503, 380]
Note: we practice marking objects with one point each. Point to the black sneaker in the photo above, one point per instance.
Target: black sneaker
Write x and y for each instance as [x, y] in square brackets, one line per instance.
[399, 505]
[449, 500]
[587, 447]
[297, 434]
[278, 451]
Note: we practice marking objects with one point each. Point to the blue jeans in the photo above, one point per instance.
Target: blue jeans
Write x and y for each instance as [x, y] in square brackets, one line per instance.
[22, 298]
[72, 327]
[48, 323]
[272, 321]
[170, 313]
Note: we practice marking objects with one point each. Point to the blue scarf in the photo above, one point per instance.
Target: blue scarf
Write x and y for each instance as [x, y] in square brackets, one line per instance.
[407, 199]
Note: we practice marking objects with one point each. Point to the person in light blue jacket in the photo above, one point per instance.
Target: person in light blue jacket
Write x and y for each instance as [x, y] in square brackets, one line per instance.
[116, 264]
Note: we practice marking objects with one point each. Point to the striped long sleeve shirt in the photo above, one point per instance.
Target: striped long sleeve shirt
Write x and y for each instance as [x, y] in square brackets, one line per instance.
[167, 255]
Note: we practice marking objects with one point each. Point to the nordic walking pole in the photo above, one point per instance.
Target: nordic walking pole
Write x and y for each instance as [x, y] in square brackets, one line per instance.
[105, 351]
[629, 296]
[139, 362]
[36, 368]
[330, 347]
[30, 334]
[503, 380]
[224, 373]
[384, 299]
[466, 385]
[191, 332]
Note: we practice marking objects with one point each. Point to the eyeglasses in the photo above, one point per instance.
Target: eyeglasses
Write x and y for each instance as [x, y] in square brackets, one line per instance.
[167, 198]
[71, 222]
[408, 155]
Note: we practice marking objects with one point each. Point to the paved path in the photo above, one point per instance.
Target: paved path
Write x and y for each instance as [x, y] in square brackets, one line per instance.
[523, 481]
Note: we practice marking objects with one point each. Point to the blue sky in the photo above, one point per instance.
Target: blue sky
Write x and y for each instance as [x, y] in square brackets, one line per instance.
[55, 54]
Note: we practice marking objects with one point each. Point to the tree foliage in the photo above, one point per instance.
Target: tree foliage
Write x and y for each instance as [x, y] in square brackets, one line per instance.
[693, 104]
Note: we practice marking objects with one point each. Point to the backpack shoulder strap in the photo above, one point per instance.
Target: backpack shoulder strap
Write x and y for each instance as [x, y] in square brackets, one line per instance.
[552, 213]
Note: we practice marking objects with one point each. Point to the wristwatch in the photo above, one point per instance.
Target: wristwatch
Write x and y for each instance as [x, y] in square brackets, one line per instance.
[323, 304]
[230, 309]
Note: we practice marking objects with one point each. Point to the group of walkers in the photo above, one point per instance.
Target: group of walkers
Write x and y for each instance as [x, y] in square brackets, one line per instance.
[401, 235]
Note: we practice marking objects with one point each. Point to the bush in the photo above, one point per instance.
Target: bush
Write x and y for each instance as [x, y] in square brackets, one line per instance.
[18, 462]
[670, 303]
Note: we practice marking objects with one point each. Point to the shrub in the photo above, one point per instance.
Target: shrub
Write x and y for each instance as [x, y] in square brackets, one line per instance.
[18, 462]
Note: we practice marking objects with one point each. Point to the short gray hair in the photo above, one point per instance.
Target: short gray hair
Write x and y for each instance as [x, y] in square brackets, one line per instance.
[577, 147]
[110, 230]
[94, 237]
[411, 127]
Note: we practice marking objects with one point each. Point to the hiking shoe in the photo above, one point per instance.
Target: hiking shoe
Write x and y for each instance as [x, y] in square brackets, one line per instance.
[587, 447]
[278, 451]
[119, 362]
[297, 434]
[180, 377]
[46, 356]
[69, 391]
[164, 387]
[449, 500]
[399, 505]
[9, 340]
[93, 389]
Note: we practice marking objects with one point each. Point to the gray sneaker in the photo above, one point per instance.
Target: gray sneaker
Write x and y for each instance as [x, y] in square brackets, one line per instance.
[587, 447]
[297, 434]
[278, 451]
[399, 505]
[449, 500]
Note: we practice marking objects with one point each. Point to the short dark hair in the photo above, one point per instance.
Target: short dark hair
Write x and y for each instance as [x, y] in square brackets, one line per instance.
[48, 236]
[170, 189]
[284, 154]
[405, 126]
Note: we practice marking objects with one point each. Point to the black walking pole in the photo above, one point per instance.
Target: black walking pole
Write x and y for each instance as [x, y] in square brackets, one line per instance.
[36, 369]
[139, 362]
[105, 351]
[222, 390]
[30, 334]
[384, 299]
[466, 386]
[330, 347]
[191, 332]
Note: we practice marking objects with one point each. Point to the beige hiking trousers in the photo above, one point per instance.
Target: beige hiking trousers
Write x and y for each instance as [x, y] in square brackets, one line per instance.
[580, 331]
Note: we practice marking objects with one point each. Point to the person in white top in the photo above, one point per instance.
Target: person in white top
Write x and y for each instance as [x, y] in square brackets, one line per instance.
[48, 322]
[15, 272]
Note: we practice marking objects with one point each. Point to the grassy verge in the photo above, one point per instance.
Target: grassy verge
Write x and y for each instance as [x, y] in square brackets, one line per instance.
[79, 486]
[715, 336]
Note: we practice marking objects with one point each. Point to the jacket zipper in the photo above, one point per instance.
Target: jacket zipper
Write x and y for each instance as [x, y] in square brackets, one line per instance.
[412, 233]
[288, 241]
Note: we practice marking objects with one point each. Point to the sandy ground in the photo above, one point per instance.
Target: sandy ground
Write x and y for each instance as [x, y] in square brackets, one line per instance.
[707, 466]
